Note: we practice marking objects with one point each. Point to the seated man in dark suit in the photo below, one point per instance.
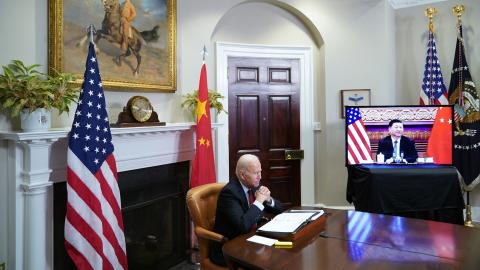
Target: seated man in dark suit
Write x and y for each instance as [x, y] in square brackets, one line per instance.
[396, 147]
[241, 204]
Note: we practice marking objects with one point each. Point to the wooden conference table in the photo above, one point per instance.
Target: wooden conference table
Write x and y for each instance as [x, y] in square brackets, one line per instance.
[359, 240]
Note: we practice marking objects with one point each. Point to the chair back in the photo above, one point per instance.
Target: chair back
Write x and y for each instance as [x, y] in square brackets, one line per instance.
[202, 205]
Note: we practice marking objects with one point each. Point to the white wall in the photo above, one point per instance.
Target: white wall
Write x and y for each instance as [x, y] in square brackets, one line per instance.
[358, 54]
[24, 36]
[412, 36]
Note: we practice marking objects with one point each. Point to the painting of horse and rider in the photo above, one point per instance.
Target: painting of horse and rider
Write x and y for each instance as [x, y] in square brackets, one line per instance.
[135, 41]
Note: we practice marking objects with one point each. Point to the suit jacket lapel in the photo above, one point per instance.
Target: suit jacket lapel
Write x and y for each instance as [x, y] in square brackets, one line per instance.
[241, 193]
[390, 143]
[403, 144]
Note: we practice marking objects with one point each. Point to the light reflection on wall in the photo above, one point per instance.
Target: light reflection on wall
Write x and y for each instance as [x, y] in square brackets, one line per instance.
[359, 227]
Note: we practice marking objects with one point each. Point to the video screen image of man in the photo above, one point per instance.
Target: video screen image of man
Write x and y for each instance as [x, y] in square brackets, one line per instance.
[397, 148]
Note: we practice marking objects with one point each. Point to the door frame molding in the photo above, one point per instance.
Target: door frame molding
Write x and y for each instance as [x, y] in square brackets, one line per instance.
[305, 56]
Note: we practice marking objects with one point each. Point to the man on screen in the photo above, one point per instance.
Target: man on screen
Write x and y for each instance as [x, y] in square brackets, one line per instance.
[396, 147]
[241, 204]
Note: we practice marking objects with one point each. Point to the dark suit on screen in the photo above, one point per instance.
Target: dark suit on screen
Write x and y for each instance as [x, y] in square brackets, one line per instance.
[234, 216]
[407, 146]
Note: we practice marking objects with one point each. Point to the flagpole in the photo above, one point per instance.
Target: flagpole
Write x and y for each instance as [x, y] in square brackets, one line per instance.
[91, 30]
[468, 212]
[430, 12]
[204, 53]
[457, 11]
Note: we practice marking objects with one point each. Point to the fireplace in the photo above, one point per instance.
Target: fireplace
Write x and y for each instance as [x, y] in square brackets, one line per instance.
[154, 216]
[33, 164]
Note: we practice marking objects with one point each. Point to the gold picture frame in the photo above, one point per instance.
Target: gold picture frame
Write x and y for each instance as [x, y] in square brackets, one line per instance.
[156, 24]
[353, 97]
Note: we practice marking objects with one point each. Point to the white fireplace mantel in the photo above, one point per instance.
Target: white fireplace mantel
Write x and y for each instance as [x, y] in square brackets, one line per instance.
[31, 162]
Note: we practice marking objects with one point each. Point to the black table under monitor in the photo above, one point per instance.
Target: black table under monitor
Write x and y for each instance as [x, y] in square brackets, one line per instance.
[425, 191]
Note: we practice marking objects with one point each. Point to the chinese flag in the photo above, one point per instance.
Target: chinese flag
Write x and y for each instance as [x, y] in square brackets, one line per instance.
[440, 141]
[203, 166]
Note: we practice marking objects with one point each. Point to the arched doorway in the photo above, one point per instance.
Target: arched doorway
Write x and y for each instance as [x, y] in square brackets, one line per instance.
[304, 54]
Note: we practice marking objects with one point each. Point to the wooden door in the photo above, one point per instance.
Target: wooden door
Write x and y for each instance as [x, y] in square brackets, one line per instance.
[264, 120]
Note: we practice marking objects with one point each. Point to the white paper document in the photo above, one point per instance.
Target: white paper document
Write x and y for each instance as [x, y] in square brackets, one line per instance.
[262, 240]
[320, 212]
[288, 222]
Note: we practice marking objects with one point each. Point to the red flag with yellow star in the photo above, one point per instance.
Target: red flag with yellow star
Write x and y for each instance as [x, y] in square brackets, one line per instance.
[440, 142]
[203, 166]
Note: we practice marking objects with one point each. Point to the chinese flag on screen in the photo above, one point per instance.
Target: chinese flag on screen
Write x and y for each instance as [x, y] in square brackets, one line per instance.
[440, 141]
[203, 166]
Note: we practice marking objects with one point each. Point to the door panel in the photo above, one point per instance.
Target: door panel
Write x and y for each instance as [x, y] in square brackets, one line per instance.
[279, 108]
[264, 120]
[248, 122]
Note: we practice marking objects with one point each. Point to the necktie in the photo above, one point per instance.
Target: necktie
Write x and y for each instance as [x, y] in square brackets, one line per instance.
[251, 197]
[395, 151]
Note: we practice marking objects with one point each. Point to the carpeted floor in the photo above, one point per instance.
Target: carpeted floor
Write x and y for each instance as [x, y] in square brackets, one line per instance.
[185, 266]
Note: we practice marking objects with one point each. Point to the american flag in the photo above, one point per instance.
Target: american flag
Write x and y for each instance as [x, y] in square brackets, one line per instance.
[433, 91]
[94, 236]
[358, 143]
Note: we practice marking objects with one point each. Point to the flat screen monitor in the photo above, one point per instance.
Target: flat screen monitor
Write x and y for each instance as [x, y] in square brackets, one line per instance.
[399, 134]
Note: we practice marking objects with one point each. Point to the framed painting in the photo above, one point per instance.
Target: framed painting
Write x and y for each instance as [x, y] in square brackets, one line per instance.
[140, 57]
[353, 97]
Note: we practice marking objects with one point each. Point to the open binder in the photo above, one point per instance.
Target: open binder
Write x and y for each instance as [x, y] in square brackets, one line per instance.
[289, 225]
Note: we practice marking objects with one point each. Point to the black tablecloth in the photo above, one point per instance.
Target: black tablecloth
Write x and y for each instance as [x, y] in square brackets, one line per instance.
[423, 191]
